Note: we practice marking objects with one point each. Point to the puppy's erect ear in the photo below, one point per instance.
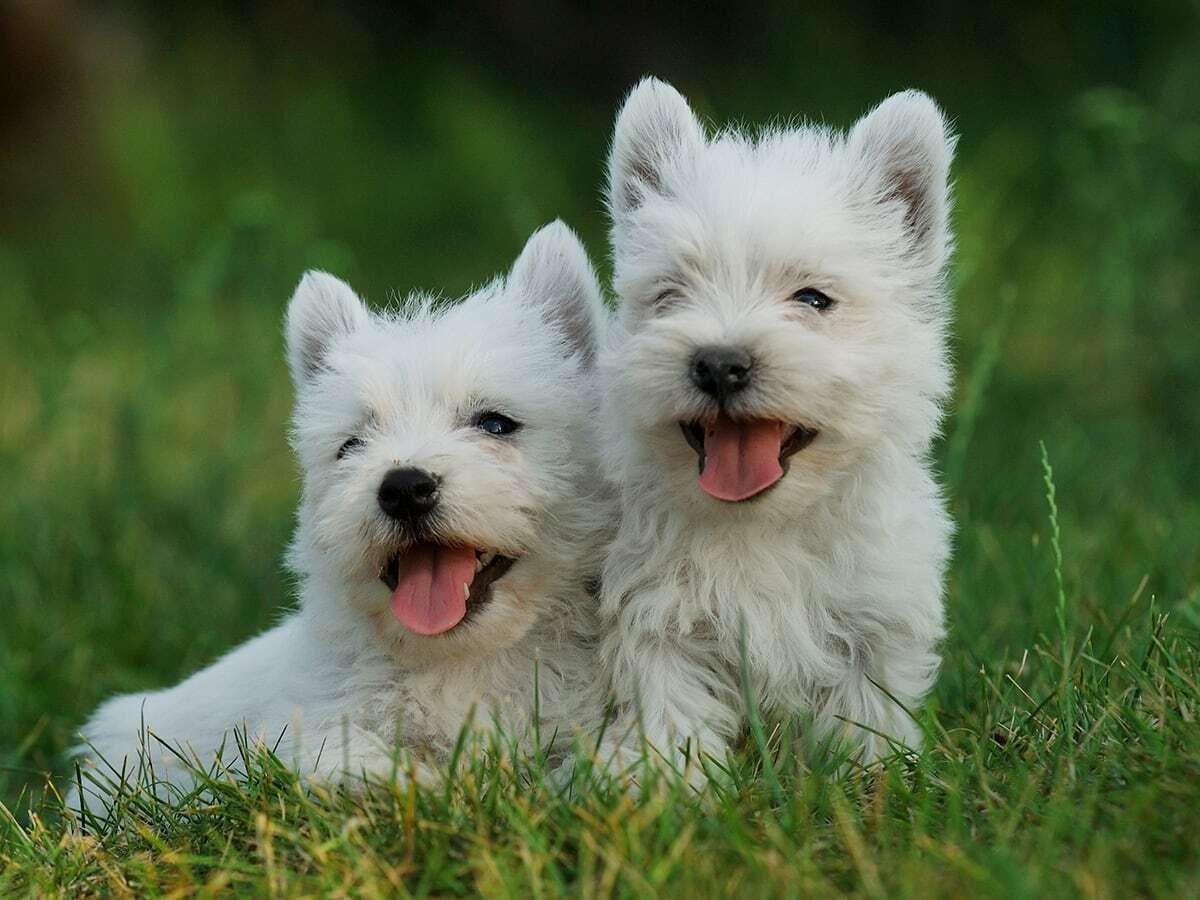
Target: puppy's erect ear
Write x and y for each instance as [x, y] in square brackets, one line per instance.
[322, 309]
[655, 128]
[553, 274]
[905, 146]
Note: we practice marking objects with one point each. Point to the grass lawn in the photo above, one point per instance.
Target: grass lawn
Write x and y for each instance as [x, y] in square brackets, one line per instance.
[148, 490]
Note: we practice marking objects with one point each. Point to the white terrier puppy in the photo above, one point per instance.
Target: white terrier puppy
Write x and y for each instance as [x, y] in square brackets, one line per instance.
[449, 528]
[770, 391]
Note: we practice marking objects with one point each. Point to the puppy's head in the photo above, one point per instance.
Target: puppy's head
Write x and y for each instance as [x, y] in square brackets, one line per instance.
[446, 476]
[782, 301]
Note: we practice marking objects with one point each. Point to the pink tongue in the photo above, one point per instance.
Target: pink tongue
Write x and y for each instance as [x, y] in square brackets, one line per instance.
[741, 459]
[430, 596]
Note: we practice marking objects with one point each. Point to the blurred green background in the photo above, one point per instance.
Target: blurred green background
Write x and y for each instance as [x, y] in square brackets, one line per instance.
[165, 177]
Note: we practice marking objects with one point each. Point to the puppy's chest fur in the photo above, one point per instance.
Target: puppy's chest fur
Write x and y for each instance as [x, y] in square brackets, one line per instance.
[801, 607]
[781, 614]
[424, 710]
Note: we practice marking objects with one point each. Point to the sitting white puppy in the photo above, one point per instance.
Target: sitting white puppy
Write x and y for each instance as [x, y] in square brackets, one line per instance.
[770, 393]
[448, 533]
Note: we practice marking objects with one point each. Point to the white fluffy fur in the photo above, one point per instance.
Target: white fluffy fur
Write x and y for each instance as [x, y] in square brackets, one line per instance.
[836, 573]
[340, 679]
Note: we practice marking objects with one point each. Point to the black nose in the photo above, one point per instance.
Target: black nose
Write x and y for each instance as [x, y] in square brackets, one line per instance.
[408, 493]
[721, 371]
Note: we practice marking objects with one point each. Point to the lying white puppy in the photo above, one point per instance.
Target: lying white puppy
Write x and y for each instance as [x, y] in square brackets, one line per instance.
[448, 532]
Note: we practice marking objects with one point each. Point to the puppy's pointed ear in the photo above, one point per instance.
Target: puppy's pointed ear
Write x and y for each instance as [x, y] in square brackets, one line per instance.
[322, 309]
[905, 146]
[553, 275]
[655, 128]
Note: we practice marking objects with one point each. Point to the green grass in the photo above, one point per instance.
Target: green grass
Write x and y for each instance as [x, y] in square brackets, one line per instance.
[1060, 777]
[145, 256]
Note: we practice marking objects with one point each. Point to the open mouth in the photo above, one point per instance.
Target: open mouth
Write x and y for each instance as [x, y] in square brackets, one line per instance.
[435, 586]
[742, 458]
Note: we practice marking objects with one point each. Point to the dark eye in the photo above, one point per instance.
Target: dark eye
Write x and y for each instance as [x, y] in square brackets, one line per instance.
[349, 446]
[496, 424]
[812, 297]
